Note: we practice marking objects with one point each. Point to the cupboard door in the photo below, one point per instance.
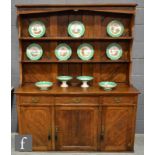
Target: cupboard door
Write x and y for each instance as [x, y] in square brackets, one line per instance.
[36, 122]
[76, 128]
[117, 128]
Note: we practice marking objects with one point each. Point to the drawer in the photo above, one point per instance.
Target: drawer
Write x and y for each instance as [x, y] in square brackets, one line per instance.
[118, 100]
[76, 100]
[35, 99]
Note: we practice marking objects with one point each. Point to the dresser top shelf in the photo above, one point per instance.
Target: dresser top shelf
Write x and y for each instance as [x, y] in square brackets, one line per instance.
[79, 5]
[48, 8]
[76, 90]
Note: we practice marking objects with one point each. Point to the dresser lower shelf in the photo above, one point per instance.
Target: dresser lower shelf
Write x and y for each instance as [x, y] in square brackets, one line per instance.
[122, 88]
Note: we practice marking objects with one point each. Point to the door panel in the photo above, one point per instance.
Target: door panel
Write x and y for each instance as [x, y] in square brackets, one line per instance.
[76, 128]
[117, 128]
[36, 122]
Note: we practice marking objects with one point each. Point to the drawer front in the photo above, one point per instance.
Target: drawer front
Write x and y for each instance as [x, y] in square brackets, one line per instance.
[34, 99]
[118, 100]
[76, 100]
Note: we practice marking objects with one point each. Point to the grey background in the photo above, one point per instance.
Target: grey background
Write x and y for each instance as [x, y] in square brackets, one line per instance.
[138, 51]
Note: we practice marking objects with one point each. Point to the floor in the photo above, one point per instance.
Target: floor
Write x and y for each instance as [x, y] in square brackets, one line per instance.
[139, 149]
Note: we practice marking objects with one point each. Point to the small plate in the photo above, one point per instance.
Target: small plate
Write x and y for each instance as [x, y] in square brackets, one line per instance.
[34, 51]
[85, 51]
[76, 29]
[115, 28]
[37, 29]
[107, 85]
[114, 51]
[44, 85]
[63, 52]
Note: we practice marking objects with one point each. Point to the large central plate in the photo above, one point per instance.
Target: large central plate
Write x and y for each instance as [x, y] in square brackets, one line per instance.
[85, 51]
[76, 29]
[63, 51]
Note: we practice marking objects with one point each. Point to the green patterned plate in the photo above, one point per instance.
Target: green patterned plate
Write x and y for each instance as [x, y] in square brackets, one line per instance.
[64, 78]
[76, 29]
[85, 78]
[34, 51]
[115, 28]
[106, 85]
[85, 51]
[114, 51]
[43, 85]
[63, 51]
[37, 29]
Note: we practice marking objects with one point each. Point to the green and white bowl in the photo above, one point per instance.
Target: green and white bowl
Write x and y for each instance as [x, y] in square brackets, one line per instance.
[63, 52]
[64, 80]
[85, 80]
[37, 29]
[85, 51]
[114, 51]
[115, 28]
[76, 29]
[44, 85]
[34, 51]
[107, 85]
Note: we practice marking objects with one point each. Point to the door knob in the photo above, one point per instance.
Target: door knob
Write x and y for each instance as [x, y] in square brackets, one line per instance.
[49, 135]
[56, 133]
[102, 134]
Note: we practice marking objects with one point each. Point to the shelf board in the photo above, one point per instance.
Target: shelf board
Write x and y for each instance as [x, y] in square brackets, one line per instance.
[69, 38]
[76, 61]
[122, 88]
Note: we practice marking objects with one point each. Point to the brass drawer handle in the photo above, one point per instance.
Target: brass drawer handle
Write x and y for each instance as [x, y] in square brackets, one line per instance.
[76, 100]
[117, 100]
[35, 100]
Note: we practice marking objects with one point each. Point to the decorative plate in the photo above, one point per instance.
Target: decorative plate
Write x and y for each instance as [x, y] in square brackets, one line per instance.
[63, 51]
[43, 85]
[114, 51]
[85, 51]
[107, 85]
[115, 28]
[76, 29]
[37, 29]
[34, 51]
